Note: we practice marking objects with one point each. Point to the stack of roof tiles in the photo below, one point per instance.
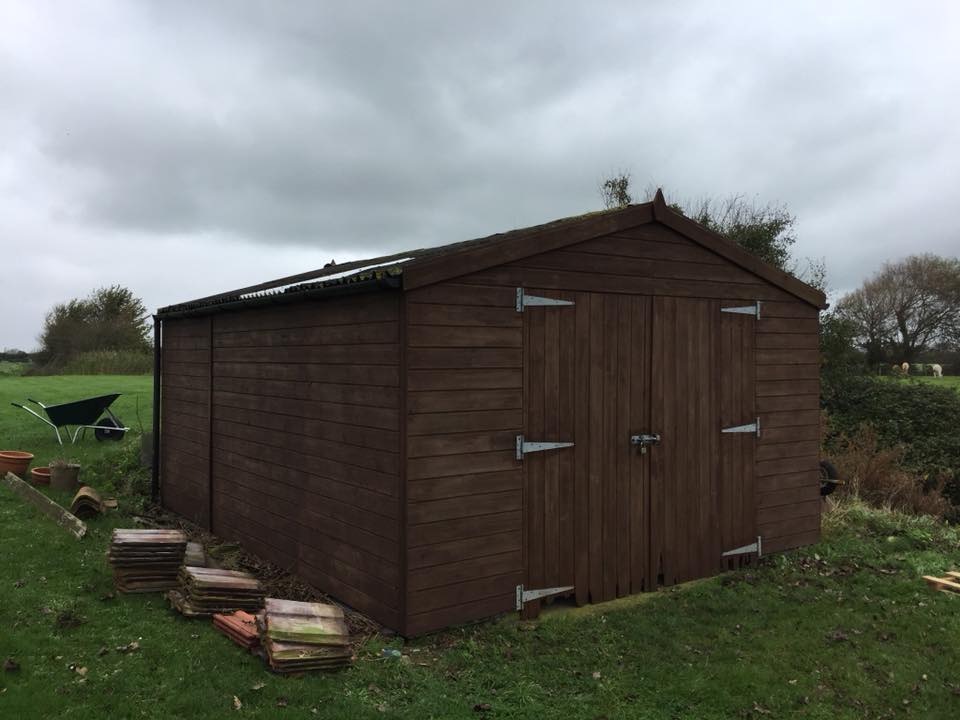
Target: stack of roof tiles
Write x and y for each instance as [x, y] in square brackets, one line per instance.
[239, 626]
[146, 560]
[300, 636]
[205, 591]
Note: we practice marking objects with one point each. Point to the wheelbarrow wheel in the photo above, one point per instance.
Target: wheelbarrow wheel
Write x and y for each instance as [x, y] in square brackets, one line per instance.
[829, 477]
[105, 430]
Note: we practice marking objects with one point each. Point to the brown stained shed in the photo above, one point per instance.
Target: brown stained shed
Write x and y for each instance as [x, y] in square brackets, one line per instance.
[376, 426]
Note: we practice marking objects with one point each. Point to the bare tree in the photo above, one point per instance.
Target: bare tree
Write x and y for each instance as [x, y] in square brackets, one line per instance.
[907, 308]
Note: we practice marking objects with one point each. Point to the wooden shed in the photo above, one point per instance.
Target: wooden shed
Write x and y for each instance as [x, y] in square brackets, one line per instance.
[589, 408]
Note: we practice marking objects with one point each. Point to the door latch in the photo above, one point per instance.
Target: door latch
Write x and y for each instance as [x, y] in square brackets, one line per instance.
[645, 439]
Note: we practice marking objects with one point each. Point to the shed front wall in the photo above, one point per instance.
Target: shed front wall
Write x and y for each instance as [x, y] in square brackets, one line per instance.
[465, 406]
[281, 430]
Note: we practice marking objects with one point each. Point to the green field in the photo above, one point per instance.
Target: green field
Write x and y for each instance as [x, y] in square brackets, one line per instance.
[845, 629]
[952, 381]
[21, 431]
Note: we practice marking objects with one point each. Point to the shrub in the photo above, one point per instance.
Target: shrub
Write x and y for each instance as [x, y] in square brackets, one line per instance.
[100, 362]
[876, 475]
[921, 418]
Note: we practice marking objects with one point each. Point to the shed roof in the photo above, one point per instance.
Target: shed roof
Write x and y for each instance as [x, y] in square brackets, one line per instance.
[425, 266]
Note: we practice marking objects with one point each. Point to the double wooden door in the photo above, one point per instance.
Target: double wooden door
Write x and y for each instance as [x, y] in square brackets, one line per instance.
[608, 517]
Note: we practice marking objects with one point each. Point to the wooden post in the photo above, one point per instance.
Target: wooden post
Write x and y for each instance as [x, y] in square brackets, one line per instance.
[47, 506]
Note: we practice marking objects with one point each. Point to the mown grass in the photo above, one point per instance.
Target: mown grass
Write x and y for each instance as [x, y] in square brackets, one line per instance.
[11, 368]
[21, 431]
[845, 629]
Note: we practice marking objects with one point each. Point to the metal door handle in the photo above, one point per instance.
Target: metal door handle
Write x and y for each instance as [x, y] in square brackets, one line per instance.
[645, 439]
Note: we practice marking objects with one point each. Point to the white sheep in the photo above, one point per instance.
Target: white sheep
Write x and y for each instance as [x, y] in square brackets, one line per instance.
[937, 370]
[906, 368]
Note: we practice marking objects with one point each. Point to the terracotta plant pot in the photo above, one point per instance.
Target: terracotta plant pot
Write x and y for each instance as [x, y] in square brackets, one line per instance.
[16, 462]
[40, 475]
[64, 477]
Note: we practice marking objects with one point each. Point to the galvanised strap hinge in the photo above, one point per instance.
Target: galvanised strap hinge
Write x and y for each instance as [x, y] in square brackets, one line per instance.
[744, 310]
[525, 596]
[753, 427]
[524, 300]
[756, 547]
[524, 447]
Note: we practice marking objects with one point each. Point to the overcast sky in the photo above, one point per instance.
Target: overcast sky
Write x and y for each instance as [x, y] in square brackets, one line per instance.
[183, 148]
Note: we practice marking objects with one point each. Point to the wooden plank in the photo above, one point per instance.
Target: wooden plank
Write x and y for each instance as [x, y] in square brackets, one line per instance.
[780, 528]
[806, 326]
[452, 293]
[434, 336]
[788, 465]
[367, 354]
[595, 451]
[460, 443]
[533, 466]
[469, 379]
[463, 593]
[464, 315]
[430, 401]
[790, 496]
[788, 542]
[371, 417]
[786, 418]
[804, 341]
[464, 507]
[472, 569]
[781, 403]
[797, 433]
[581, 520]
[353, 374]
[650, 248]
[48, 507]
[460, 485]
[425, 622]
[352, 334]
[787, 357]
[462, 358]
[454, 551]
[780, 513]
[448, 422]
[769, 388]
[445, 465]
[810, 371]
[430, 531]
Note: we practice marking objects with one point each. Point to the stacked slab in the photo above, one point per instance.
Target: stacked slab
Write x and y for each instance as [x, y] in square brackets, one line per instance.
[204, 591]
[146, 560]
[300, 636]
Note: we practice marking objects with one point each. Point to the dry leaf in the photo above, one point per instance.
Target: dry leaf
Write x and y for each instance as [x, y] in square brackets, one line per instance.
[258, 686]
[596, 674]
[237, 705]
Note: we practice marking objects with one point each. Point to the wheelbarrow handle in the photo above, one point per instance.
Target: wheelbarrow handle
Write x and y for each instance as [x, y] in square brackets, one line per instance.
[18, 405]
[35, 402]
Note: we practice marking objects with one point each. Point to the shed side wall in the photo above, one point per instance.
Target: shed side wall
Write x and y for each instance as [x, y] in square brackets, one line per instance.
[465, 400]
[185, 418]
[305, 443]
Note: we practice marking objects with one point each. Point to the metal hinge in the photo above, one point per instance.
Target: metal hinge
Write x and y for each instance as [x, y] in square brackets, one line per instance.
[525, 596]
[744, 310]
[756, 547]
[524, 447]
[524, 300]
[753, 427]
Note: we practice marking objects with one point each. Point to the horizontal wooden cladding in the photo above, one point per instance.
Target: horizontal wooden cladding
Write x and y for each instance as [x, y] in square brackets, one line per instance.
[288, 482]
[454, 551]
[379, 460]
[455, 464]
[186, 342]
[791, 356]
[364, 395]
[790, 496]
[376, 481]
[325, 572]
[437, 619]
[470, 379]
[788, 418]
[654, 245]
[809, 371]
[475, 296]
[451, 422]
[427, 401]
[788, 481]
[799, 325]
[460, 443]
[464, 358]
[791, 526]
[354, 374]
[193, 448]
[443, 336]
[186, 327]
[366, 308]
[188, 382]
[369, 354]
[789, 542]
[781, 403]
[569, 280]
[459, 518]
[287, 500]
[788, 341]
[179, 369]
[186, 357]
[769, 388]
[770, 435]
[794, 309]
[355, 334]
[464, 593]
[371, 417]
[573, 260]
[374, 554]
[774, 451]
[459, 485]
[787, 465]
[463, 315]
[470, 569]
[362, 437]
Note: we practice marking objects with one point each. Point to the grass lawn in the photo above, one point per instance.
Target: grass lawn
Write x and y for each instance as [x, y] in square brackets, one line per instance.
[842, 630]
[952, 381]
[21, 431]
